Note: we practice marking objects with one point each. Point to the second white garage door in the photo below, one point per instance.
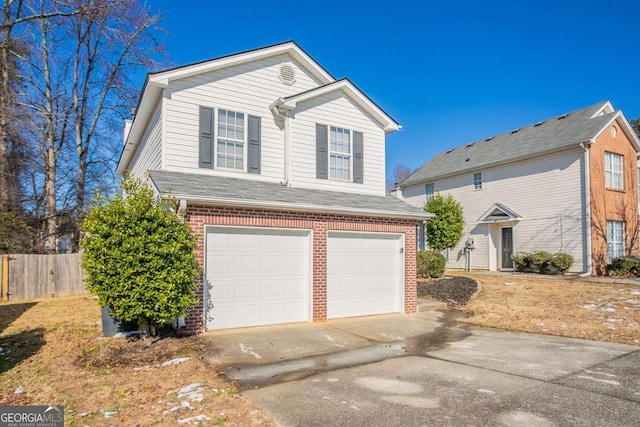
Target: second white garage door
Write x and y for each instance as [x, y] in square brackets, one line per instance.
[257, 276]
[364, 274]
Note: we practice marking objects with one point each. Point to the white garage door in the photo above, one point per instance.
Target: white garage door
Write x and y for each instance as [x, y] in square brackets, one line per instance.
[364, 274]
[257, 277]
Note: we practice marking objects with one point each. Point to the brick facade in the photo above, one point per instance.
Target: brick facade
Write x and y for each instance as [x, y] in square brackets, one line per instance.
[200, 216]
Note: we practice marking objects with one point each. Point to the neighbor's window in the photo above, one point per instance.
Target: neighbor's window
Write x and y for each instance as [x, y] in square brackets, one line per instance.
[615, 239]
[231, 139]
[340, 153]
[477, 181]
[613, 170]
[430, 191]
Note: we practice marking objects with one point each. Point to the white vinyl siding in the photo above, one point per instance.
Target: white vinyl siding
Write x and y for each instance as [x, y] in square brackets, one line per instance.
[545, 191]
[338, 111]
[339, 153]
[149, 153]
[615, 240]
[249, 88]
[613, 171]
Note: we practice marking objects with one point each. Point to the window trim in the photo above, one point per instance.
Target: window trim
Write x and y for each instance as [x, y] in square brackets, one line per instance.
[611, 242]
[245, 142]
[477, 183]
[613, 172]
[330, 152]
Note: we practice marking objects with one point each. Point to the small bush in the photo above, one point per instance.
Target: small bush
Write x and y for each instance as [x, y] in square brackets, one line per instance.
[562, 261]
[624, 266]
[539, 258]
[520, 260]
[430, 264]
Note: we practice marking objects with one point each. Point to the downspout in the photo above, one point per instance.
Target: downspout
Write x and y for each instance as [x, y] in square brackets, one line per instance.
[587, 207]
[284, 119]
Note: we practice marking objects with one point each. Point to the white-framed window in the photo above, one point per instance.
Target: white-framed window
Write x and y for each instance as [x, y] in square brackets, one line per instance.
[613, 171]
[231, 141]
[429, 191]
[477, 181]
[615, 239]
[339, 153]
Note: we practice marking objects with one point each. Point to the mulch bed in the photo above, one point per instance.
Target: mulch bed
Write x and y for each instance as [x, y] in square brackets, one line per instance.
[454, 290]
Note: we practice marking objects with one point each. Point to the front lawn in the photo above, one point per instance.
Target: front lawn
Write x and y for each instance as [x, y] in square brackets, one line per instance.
[594, 311]
[52, 352]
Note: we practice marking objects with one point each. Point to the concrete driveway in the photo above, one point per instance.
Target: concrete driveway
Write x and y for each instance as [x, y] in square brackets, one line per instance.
[425, 369]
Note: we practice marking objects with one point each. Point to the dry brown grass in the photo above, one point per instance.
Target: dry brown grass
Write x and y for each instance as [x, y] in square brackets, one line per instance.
[594, 311]
[54, 351]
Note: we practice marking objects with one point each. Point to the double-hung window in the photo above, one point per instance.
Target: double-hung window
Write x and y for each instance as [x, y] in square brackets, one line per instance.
[613, 171]
[615, 239]
[430, 191]
[477, 181]
[339, 153]
[231, 139]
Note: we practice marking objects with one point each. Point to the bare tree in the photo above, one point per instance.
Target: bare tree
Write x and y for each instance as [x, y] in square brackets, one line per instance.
[399, 173]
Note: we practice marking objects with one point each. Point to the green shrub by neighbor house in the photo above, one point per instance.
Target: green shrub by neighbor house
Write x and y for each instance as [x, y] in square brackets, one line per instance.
[430, 264]
[542, 262]
[624, 266]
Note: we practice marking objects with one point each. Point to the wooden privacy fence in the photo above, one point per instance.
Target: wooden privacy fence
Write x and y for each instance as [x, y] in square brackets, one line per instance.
[41, 276]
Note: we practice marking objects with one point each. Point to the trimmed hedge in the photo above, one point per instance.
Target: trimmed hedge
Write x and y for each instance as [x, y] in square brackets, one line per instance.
[430, 264]
[624, 266]
[542, 262]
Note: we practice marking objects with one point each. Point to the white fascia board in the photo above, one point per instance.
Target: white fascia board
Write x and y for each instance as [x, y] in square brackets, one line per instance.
[252, 204]
[241, 58]
[389, 125]
[625, 126]
[607, 107]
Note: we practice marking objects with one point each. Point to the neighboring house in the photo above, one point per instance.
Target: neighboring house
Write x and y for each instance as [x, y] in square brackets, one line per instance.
[566, 184]
[280, 169]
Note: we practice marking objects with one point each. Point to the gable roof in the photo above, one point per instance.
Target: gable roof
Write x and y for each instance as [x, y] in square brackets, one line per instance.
[499, 213]
[156, 82]
[225, 191]
[349, 90]
[555, 134]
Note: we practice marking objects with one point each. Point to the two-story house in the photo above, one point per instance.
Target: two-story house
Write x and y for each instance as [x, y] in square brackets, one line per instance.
[567, 184]
[280, 170]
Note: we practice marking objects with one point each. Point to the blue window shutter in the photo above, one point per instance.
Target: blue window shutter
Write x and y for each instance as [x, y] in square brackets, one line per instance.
[253, 162]
[358, 158]
[322, 152]
[206, 137]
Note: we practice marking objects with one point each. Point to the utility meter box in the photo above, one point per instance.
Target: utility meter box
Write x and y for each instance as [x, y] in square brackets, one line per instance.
[470, 244]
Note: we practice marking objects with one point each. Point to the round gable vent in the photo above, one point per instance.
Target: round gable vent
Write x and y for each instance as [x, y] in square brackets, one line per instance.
[287, 74]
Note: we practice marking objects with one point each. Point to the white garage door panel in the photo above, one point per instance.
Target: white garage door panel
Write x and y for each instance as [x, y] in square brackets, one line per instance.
[364, 274]
[257, 277]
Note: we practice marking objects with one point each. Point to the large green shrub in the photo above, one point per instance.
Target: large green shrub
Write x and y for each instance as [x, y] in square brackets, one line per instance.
[520, 260]
[624, 266]
[542, 262]
[430, 264]
[139, 256]
[445, 229]
[562, 261]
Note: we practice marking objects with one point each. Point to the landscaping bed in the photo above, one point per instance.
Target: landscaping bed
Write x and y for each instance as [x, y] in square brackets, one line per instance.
[454, 290]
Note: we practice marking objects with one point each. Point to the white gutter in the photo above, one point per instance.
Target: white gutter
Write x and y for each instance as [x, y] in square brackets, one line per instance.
[284, 117]
[587, 207]
[302, 208]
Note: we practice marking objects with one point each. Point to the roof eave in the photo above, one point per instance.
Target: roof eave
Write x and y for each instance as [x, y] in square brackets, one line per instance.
[253, 204]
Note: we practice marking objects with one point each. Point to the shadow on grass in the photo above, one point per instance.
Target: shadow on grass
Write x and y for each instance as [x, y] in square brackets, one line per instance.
[19, 346]
[9, 312]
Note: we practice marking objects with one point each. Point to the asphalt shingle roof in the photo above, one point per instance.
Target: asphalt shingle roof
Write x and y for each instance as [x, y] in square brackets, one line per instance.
[546, 136]
[237, 191]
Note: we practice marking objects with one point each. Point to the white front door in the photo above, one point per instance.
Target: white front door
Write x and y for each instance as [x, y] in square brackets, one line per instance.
[365, 274]
[257, 276]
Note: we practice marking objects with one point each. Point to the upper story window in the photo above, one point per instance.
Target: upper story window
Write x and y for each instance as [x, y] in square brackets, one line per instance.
[231, 139]
[430, 190]
[339, 153]
[477, 181]
[613, 171]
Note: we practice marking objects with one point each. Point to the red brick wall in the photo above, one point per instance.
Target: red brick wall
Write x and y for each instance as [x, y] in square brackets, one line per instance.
[201, 216]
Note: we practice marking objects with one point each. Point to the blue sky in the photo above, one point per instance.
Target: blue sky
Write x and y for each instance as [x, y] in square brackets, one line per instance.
[451, 71]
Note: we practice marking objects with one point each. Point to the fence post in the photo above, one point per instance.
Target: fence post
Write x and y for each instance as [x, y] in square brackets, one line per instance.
[5, 277]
